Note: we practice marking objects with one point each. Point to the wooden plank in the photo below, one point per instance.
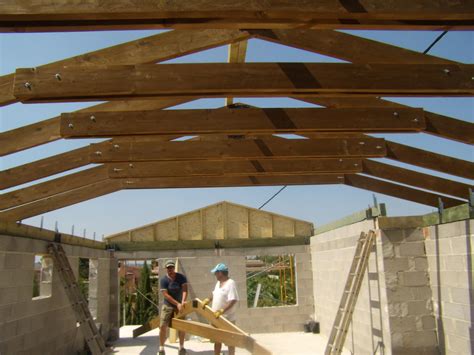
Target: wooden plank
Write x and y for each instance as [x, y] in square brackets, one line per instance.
[346, 46]
[430, 160]
[413, 178]
[232, 181]
[31, 232]
[435, 124]
[47, 131]
[249, 79]
[164, 245]
[209, 332]
[53, 187]
[399, 191]
[236, 54]
[241, 121]
[152, 49]
[44, 167]
[233, 168]
[69, 15]
[61, 200]
[271, 148]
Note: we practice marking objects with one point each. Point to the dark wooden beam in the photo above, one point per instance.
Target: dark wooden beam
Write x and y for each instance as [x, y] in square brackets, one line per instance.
[249, 79]
[430, 160]
[66, 15]
[240, 121]
[233, 168]
[231, 181]
[354, 49]
[413, 178]
[436, 124]
[147, 50]
[53, 187]
[61, 200]
[399, 191]
[44, 167]
[47, 131]
[272, 148]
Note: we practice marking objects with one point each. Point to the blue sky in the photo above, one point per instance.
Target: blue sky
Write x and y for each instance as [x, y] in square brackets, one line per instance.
[128, 209]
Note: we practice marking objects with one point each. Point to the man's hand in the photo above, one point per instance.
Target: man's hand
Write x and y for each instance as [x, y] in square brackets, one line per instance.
[205, 302]
[219, 313]
[180, 307]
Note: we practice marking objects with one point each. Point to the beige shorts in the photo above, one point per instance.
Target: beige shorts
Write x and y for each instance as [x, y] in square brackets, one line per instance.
[167, 313]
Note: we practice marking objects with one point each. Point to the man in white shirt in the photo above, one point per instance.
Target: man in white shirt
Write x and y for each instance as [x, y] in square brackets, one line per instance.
[224, 300]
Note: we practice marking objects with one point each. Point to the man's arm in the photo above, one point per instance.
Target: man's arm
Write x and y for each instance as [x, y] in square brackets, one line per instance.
[185, 293]
[170, 298]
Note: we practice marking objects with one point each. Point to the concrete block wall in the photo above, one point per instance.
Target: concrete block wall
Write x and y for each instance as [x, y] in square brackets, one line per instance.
[196, 265]
[408, 292]
[44, 325]
[332, 254]
[449, 249]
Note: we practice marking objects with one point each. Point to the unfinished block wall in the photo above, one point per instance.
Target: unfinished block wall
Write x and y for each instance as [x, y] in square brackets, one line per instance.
[332, 254]
[47, 325]
[196, 265]
[449, 248]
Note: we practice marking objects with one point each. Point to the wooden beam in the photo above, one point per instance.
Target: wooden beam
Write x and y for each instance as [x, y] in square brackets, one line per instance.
[345, 46]
[209, 332]
[61, 200]
[236, 54]
[44, 167]
[232, 181]
[49, 130]
[232, 168]
[249, 79]
[413, 178]
[271, 148]
[241, 121]
[399, 191]
[435, 124]
[430, 160]
[163, 245]
[53, 187]
[147, 50]
[66, 15]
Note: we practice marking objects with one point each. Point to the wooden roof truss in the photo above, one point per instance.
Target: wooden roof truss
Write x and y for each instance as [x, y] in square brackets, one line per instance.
[236, 145]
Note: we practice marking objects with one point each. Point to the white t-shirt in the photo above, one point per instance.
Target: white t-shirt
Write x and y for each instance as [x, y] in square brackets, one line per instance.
[223, 295]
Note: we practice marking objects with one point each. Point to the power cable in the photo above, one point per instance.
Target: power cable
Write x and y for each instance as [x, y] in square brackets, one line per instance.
[271, 198]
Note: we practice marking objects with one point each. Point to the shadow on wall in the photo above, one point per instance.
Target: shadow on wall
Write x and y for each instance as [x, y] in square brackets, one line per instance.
[439, 316]
[470, 282]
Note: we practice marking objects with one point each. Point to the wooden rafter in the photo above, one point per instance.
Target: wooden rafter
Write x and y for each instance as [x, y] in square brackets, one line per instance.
[67, 15]
[413, 178]
[271, 148]
[61, 200]
[250, 79]
[240, 121]
[44, 167]
[111, 185]
[53, 187]
[233, 168]
[236, 54]
[47, 131]
[354, 49]
[399, 191]
[147, 50]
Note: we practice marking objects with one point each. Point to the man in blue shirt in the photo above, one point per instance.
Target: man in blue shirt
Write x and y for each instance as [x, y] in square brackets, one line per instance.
[174, 288]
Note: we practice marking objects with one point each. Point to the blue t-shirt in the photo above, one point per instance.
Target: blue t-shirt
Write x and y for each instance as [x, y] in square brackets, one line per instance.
[174, 287]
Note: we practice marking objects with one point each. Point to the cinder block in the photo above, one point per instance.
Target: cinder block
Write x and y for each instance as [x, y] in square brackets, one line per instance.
[428, 322]
[421, 264]
[457, 311]
[8, 295]
[412, 249]
[461, 295]
[458, 345]
[419, 339]
[396, 264]
[414, 278]
[417, 308]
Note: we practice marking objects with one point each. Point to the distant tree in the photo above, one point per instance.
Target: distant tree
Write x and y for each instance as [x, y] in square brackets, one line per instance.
[83, 279]
[145, 310]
